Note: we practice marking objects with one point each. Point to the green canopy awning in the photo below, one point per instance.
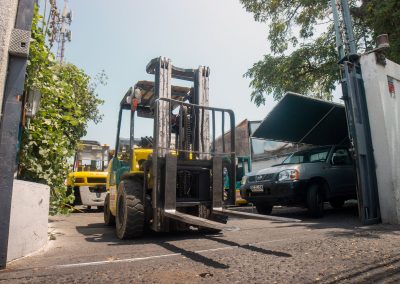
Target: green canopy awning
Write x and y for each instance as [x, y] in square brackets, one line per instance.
[300, 119]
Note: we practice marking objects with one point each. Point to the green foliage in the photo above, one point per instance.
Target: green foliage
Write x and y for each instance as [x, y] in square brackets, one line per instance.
[311, 70]
[302, 42]
[382, 17]
[68, 103]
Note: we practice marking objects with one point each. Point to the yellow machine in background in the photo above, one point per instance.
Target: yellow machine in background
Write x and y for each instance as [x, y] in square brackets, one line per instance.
[88, 178]
[139, 155]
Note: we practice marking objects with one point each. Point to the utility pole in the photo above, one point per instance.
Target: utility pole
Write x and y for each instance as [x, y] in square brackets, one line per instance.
[65, 32]
[59, 28]
[11, 116]
[357, 113]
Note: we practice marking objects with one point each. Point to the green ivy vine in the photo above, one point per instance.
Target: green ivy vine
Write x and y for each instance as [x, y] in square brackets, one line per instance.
[68, 103]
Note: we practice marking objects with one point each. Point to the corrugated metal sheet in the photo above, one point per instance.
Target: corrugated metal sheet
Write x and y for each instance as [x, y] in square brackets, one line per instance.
[300, 119]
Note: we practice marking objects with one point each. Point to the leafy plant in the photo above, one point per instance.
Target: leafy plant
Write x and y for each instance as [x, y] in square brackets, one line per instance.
[303, 56]
[68, 103]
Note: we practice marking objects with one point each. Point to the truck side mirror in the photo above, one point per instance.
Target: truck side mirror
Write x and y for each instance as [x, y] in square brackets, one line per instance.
[338, 160]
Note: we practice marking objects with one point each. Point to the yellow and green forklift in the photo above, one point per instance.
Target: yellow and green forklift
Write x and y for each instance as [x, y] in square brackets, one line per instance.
[173, 180]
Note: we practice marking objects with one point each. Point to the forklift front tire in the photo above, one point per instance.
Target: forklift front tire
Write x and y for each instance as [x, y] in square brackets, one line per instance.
[130, 217]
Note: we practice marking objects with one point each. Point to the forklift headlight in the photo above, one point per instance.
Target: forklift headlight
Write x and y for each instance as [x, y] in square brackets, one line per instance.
[288, 175]
[244, 180]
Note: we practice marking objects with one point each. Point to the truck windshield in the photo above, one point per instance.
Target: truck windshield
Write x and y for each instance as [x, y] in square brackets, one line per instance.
[309, 156]
[91, 158]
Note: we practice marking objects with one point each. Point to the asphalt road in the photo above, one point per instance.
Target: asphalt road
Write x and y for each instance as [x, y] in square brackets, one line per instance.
[334, 249]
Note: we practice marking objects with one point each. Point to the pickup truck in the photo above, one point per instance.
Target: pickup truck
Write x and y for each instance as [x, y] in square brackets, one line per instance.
[307, 178]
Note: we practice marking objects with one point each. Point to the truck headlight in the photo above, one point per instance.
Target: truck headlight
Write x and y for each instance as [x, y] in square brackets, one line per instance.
[244, 180]
[288, 175]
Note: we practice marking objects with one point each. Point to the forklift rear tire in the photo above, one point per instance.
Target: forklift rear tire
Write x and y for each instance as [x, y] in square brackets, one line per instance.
[130, 217]
[109, 218]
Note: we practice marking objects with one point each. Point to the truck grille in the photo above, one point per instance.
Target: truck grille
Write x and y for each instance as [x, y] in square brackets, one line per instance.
[261, 177]
[99, 188]
[96, 180]
[268, 176]
[252, 178]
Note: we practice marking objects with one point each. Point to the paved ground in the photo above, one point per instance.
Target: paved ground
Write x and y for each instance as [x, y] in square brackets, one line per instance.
[334, 249]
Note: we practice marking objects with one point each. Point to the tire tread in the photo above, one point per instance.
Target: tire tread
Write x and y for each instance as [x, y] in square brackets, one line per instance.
[134, 223]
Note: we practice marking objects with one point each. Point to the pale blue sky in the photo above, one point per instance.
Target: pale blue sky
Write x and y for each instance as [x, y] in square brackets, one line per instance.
[122, 37]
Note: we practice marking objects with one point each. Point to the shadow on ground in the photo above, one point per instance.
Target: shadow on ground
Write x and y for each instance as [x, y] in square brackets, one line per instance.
[98, 232]
[344, 218]
[343, 222]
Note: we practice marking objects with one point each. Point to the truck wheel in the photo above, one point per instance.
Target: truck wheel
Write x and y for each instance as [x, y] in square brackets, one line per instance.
[315, 201]
[264, 208]
[337, 203]
[130, 210]
[109, 218]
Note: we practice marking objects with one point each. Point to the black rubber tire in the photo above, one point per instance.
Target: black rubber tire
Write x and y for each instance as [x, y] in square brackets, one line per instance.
[315, 201]
[337, 203]
[264, 208]
[109, 218]
[130, 219]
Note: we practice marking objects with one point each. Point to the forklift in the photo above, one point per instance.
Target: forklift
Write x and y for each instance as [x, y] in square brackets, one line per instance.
[173, 180]
[87, 180]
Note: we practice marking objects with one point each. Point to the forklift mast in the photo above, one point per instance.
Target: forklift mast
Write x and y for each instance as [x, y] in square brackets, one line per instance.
[182, 152]
[179, 168]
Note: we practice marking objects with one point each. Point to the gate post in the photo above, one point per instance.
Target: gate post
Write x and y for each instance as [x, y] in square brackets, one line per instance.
[11, 114]
[357, 114]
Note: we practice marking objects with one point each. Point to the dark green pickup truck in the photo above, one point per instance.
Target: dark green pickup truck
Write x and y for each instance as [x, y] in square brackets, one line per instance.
[307, 178]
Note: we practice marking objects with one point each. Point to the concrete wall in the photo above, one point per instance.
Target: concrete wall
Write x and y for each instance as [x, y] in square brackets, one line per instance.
[29, 219]
[384, 116]
[8, 11]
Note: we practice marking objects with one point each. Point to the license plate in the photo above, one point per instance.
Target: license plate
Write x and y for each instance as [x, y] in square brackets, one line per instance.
[257, 188]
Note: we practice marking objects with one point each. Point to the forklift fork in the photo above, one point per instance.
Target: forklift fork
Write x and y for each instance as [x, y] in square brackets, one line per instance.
[169, 209]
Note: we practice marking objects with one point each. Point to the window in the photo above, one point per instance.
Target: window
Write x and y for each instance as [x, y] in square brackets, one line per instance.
[309, 156]
[341, 157]
[318, 157]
